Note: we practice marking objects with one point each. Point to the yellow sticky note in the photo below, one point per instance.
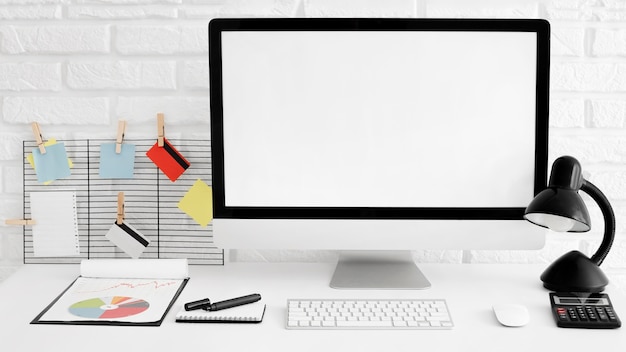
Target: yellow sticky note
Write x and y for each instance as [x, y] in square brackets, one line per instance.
[47, 143]
[198, 203]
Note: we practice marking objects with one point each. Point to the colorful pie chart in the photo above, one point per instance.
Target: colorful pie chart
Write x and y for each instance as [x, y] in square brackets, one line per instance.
[109, 307]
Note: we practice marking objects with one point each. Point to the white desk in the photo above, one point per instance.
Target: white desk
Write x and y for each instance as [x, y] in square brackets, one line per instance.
[470, 291]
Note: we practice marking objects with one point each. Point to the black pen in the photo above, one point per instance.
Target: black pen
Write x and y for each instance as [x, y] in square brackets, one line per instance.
[233, 302]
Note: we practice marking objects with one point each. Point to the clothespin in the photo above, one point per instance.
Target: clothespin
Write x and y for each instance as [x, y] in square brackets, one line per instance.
[38, 137]
[121, 129]
[120, 208]
[20, 222]
[160, 129]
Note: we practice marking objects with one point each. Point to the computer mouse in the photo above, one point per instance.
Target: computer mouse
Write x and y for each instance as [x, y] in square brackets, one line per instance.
[512, 315]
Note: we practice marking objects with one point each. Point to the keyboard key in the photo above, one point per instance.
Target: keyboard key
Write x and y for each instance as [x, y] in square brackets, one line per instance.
[364, 323]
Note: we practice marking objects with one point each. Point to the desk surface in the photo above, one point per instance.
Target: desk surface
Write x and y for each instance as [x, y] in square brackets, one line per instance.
[470, 291]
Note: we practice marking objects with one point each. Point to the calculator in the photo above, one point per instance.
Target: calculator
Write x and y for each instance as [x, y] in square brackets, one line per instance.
[583, 310]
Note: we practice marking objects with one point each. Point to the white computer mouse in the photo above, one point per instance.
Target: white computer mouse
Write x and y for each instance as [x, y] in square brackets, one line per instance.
[512, 315]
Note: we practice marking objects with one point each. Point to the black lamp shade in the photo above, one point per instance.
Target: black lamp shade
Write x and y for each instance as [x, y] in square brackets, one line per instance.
[554, 203]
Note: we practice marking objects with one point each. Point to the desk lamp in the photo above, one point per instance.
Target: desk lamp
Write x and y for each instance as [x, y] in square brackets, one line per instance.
[560, 208]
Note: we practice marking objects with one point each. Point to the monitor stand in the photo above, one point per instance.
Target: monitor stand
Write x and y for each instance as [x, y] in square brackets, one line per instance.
[378, 270]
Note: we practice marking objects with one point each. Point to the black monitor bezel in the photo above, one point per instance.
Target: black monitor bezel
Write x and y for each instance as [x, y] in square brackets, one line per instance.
[217, 26]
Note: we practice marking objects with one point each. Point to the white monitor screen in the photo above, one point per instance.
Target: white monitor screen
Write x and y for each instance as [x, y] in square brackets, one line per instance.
[379, 119]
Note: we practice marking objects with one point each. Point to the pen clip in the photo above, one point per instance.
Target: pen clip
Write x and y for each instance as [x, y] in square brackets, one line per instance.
[199, 304]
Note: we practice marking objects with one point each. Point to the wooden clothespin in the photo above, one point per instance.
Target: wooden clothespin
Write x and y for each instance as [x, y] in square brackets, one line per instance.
[160, 129]
[121, 130]
[20, 222]
[120, 208]
[38, 137]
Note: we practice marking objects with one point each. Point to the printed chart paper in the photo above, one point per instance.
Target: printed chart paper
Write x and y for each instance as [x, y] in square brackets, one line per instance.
[114, 298]
[55, 233]
[128, 300]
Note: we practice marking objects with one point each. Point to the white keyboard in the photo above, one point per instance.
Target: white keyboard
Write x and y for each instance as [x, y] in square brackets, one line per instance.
[368, 314]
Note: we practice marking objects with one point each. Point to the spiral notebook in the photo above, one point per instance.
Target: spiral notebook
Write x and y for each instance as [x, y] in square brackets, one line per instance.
[249, 313]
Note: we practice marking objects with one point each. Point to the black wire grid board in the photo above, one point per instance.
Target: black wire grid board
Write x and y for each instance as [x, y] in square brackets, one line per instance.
[150, 203]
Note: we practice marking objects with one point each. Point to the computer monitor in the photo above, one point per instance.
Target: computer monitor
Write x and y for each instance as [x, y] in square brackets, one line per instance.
[373, 136]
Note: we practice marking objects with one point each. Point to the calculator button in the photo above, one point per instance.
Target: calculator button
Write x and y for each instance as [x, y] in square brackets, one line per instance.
[601, 314]
[562, 313]
[572, 314]
[591, 314]
[610, 314]
[581, 313]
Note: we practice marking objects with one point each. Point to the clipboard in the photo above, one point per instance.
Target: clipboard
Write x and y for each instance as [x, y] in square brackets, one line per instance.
[133, 299]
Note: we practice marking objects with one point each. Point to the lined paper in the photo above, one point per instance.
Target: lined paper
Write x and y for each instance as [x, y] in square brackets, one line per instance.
[55, 233]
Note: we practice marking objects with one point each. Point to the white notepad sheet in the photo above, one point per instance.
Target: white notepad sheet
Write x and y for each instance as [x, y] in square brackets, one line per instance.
[55, 233]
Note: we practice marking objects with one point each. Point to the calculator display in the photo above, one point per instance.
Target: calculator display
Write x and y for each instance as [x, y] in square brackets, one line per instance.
[580, 300]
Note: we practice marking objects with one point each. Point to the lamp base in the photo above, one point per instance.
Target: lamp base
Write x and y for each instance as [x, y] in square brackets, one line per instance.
[574, 272]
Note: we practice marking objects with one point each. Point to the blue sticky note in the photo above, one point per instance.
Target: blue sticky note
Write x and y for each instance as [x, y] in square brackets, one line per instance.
[52, 165]
[113, 165]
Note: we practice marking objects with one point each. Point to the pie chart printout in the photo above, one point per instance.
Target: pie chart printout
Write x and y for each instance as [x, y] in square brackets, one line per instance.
[109, 307]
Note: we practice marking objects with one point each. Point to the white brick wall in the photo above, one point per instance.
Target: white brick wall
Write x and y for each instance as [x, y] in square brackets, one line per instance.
[30, 76]
[39, 38]
[77, 66]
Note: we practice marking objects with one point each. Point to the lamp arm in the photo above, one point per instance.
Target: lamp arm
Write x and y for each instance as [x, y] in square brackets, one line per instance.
[609, 220]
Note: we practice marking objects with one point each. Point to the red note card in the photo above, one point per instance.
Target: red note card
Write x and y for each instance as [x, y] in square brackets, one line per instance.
[168, 160]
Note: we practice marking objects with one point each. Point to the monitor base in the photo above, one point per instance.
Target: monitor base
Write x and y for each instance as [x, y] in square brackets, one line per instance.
[387, 270]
